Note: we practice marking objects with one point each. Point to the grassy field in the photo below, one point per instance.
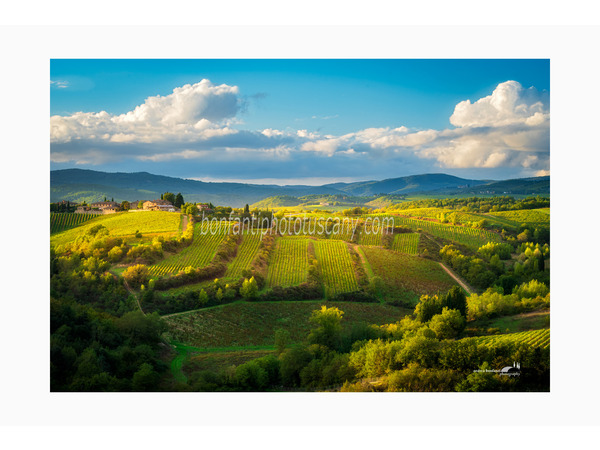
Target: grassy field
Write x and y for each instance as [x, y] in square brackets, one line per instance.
[289, 262]
[406, 243]
[529, 216]
[468, 236]
[245, 324]
[336, 266]
[519, 322]
[199, 254]
[406, 277]
[216, 361]
[126, 224]
[246, 252]
[65, 221]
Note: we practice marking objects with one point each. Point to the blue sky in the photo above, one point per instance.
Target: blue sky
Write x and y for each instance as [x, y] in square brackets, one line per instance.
[302, 121]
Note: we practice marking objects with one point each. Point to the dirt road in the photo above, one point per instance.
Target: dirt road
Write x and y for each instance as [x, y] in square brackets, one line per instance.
[464, 285]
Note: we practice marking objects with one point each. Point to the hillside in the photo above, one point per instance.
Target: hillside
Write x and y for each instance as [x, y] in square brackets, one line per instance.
[85, 185]
[79, 185]
[404, 185]
[277, 201]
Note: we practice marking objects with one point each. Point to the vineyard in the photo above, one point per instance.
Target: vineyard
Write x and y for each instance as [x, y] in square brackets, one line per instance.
[245, 254]
[536, 338]
[344, 232]
[126, 224]
[406, 277]
[406, 243]
[199, 254]
[336, 267]
[289, 262]
[252, 324]
[533, 216]
[471, 237]
[368, 237]
[65, 221]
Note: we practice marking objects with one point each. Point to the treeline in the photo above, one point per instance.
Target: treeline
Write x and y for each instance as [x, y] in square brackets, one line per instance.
[477, 204]
[94, 351]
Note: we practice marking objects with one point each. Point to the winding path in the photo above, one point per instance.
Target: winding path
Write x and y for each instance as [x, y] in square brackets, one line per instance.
[464, 285]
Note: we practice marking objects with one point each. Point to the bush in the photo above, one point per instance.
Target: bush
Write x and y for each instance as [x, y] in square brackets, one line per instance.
[136, 275]
[532, 289]
[447, 325]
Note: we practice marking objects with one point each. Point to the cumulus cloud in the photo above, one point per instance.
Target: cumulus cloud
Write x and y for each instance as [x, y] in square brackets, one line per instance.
[509, 128]
[190, 112]
[509, 104]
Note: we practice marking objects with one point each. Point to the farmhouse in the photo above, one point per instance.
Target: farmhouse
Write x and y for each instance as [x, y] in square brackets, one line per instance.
[159, 205]
[102, 205]
[87, 210]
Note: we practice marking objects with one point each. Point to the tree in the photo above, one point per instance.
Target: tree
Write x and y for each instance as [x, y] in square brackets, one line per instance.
[219, 295]
[428, 306]
[140, 204]
[246, 209]
[136, 275]
[447, 325]
[178, 200]
[249, 289]
[145, 379]
[125, 205]
[456, 299]
[329, 327]
[202, 297]
[168, 196]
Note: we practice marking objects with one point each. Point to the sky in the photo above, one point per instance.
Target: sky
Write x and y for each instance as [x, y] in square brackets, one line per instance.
[302, 121]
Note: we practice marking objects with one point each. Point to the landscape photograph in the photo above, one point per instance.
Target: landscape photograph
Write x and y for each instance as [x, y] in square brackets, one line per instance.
[299, 225]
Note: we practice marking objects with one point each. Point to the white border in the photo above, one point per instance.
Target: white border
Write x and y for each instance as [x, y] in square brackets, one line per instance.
[24, 382]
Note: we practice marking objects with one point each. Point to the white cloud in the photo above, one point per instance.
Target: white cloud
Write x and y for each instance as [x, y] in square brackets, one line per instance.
[509, 104]
[191, 112]
[60, 84]
[508, 128]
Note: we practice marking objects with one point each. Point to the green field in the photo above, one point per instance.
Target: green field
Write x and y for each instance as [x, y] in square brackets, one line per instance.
[336, 266]
[245, 324]
[289, 262]
[246, 252]
[406, 243]
[519, 322]
[528, 216]
[65, 221]
[199, 254]
[536, 338]
[406, 277]
[125, 224]
[468, 236]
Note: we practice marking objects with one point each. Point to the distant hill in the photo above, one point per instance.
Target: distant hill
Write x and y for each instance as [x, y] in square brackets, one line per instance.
[404, 185]
[521, 186]
[78, 185]
[277, 201]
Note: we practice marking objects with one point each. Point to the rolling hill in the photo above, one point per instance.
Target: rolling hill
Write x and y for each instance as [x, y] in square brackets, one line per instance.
[79, 185]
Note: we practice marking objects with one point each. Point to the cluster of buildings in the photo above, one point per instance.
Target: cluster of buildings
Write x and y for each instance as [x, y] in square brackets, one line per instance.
[99, 208]
[113, 207]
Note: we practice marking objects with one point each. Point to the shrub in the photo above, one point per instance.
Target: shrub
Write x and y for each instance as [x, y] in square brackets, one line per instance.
[136, 275]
